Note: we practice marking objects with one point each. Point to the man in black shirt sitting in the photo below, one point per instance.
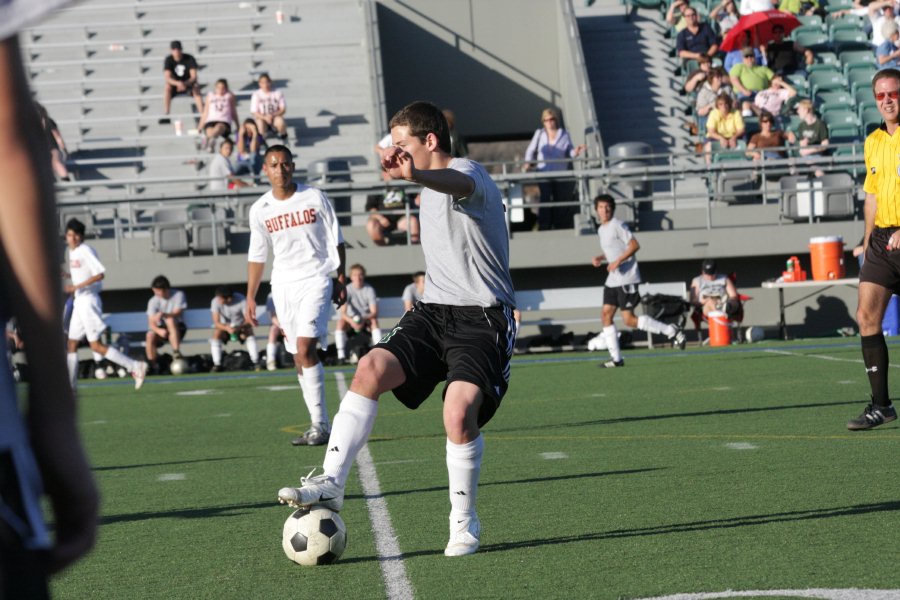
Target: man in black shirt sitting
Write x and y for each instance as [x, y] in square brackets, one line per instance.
[181, 78]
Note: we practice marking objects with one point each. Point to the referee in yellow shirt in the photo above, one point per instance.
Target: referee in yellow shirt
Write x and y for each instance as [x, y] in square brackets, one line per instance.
[879, 276]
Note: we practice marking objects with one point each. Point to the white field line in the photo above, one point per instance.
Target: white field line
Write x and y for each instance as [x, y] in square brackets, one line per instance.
[821, 356]
[393, 569]
[822, 594]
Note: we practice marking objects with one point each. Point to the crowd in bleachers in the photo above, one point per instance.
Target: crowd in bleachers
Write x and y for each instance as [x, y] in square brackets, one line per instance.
[806, 82]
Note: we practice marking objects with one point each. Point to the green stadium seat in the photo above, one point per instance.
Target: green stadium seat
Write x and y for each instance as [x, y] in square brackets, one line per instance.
[870, 119]
[816, 67]
[831, 19]
[855, 39]
[812, 39]
[834, 100]
[864, 105]
[827, 58]
[811, 21]
[826, 80]
[836, 5]
[841, 118]
[844, 26]
[860, 79]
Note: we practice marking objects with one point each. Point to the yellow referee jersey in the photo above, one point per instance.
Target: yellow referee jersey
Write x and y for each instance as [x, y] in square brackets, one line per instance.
[882, 152]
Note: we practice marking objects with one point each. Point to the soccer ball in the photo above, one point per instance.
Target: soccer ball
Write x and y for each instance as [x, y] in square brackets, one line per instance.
[179, 366]
[314, 536]
[755, 334]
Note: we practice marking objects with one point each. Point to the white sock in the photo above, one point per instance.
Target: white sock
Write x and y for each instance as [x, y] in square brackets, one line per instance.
[349, 432]
[72, 363]
[340, 343]
[612, 342]
[651, 325]
[313, 387]
[252, 349]
[271, 352]
[98, 358]
[463, 469]
[376, 335]
[215, 346]
[120, 359]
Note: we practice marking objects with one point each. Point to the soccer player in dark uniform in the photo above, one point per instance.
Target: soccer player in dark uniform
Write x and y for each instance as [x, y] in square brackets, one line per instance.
[461, 332]
[879, 276]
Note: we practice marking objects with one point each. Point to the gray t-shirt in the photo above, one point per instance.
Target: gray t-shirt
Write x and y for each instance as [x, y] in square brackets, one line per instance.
[466, 244]
[614, 238]
[220, 168]
[230, 314]
[360, 299]
[411, 294]
[175, 301]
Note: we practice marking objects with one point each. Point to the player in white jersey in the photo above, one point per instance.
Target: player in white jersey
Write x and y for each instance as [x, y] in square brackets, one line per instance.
[45, 446]
[86, 273]
[298, 224]
[359, 313]
[462, 332]
[621, 288]
[228, 309]
[165, 319]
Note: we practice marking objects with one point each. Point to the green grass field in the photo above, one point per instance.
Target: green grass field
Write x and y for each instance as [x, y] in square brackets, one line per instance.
[701, 471]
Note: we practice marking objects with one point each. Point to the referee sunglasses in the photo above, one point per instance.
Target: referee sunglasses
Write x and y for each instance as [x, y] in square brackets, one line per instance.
[880, 96]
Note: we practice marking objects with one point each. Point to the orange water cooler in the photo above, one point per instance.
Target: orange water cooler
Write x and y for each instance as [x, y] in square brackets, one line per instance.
[827, 257]
[719, 329]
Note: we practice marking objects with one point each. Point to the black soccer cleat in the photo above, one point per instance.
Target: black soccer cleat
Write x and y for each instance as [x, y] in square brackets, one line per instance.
[612, 364]
[872, 416]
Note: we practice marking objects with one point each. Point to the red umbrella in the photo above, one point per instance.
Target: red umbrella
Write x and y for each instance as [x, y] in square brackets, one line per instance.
[759, 25]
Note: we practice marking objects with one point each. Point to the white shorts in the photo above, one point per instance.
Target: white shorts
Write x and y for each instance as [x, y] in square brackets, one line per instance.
[87, 318]
[303, 309]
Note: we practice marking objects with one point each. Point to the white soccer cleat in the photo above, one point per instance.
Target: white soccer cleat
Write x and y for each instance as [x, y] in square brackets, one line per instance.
[465, 536]
[271, 365]
[320, 490]
[139, 374]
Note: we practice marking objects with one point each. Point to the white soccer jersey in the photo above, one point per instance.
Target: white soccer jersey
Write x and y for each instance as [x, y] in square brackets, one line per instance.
[230, 314]
[614, 238]
[84, 264]
[302, 231]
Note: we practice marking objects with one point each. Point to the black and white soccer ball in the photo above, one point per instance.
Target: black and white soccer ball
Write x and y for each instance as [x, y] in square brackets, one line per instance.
[179, 366]
[314, 536]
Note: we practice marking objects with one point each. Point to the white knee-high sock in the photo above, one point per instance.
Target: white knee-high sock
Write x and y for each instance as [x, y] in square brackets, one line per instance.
[463, 469]
[98, 358]
[340, 343]
[271, 352]
[120, 359]
[651, 325]
[215, 347]
[252, 349]
[72, 363]
[376, 335]
[612, 342]
[313, 387]
[352, 426]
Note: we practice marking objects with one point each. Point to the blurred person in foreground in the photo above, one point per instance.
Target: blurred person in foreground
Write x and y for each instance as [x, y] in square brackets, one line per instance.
[40, 445]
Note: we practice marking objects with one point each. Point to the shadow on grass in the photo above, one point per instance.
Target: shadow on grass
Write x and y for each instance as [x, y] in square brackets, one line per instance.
[165, 464]
[231, 510]
[674, 528]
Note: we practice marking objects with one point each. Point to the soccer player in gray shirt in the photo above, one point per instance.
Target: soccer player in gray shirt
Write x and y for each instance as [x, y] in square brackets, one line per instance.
[462, 332]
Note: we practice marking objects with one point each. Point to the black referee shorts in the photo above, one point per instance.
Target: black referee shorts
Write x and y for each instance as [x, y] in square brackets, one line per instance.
[882, 266]
[437, 342]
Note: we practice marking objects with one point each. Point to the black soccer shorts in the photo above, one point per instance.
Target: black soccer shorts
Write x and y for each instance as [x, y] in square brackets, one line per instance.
[437, 342]
[882, 266]
[625, 297]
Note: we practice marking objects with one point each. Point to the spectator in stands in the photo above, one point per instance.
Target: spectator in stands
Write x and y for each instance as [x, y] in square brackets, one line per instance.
[712, 291]
[359, 313]
[227, 309]
[675, 14]
[749, 78]
[39, 433]
[458, 148]
[752, 6]
[881, 12]
[275, 335]
[696, 39]
[811, 134]
[165, 320]
[736, 56]
[717, 85]
[58, 152]
[251, 146]
[414, 291]
[219, 112]
[782, 55]
[180, 71]
[268, 108]
[380, 225]
[802, 7]
[699, 76]
[726, 15]
[549, 150]
[221, 171]
[887, 54]
[724, 125]
[773, 98]
[767, 137]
